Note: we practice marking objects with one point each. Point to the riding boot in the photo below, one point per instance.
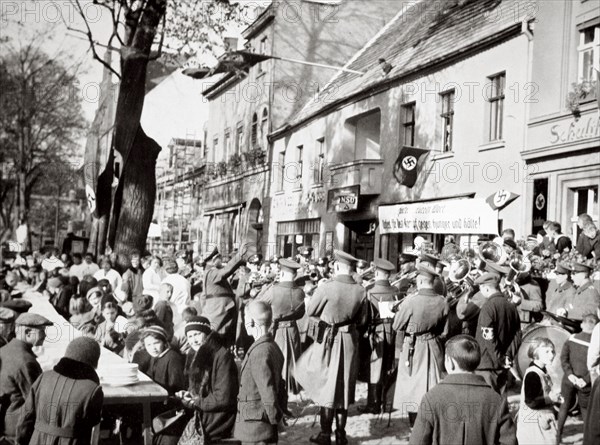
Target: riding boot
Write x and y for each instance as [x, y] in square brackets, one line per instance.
[341, 415]
[377, 398]
[371, 407]
[412, 417]
[324, 436]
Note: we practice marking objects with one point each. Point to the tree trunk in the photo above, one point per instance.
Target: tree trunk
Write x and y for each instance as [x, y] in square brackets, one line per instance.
[134, 201]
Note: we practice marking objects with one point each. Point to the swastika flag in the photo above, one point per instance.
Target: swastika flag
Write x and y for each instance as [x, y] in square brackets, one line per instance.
[501, 199]
[405, 168]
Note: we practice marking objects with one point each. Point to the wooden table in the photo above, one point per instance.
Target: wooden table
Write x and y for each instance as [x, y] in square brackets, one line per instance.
[58, 337]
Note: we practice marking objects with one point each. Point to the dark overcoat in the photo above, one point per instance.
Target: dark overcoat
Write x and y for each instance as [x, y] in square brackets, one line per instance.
[63, 406]
[287, 302]
[422, 315]
[378, 352]
[463, 409]
[259, 401]
[328, 370]
[19, 369]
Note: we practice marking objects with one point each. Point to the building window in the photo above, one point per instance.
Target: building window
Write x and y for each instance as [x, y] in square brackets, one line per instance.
[408, 124]
[263, 50]
[299, 164]
[447, 119]
[227, 144]
[215, 148]
[496, 106]
[589, 54]
[281, 167]
[264, 127]
[254, 138]
[239, 142]
[585, 200]
[319, 170]
[294, 234]
[362, 133]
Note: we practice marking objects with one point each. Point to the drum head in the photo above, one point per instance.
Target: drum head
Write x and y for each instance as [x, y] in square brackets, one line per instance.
[557, 335]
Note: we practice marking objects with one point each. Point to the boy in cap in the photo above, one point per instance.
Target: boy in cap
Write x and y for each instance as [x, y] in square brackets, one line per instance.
[587, 298]
[68, 416]
[262, 394]
[462, 408]
[19, 369]
[421, 317]
[497, 328]
[287, 303]
[379, 356]
[328, 369]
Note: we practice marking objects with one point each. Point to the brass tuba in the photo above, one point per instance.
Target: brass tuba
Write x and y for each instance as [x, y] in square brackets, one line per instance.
[518, 264]
[491, 252]
[459, 280]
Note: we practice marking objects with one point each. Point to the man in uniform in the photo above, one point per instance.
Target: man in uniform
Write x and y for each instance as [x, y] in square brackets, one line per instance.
[421, 317]
[560, 291]
[328, 368]
[497, 327]
[18, 370]
[218, 303]
[587, 298]
[432, 262]
[380, 357]
[287, 303]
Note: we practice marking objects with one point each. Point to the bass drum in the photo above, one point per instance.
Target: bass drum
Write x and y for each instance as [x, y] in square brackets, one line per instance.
[557, 335]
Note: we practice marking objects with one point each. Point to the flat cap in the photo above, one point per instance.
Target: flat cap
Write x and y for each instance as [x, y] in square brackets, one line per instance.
[407, 258]
[54, 282]
[344, 257]
[428, 258]
[289, 264]
[255, 259]
[581, 267]
[424, 269]
[385, 265]
[17, 304]
[562, 269]
[32, 320]
[488, 278]
[7, 315]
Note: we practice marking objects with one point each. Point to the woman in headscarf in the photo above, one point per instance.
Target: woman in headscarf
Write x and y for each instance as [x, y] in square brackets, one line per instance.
[213, 383]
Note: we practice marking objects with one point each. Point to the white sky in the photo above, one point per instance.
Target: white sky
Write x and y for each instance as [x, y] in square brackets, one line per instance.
[46, 14]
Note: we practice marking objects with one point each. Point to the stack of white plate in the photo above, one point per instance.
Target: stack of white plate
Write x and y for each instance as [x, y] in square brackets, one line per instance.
[119, 374]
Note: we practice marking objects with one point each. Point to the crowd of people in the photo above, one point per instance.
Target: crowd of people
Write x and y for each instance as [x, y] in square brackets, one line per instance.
[436, 337]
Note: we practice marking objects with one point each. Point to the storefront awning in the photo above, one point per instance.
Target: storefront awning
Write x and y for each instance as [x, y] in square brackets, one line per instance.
[455, 216]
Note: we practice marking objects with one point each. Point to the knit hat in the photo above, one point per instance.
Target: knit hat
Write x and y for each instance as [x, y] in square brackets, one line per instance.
[198, 323]
[155, 331]
[85, 350]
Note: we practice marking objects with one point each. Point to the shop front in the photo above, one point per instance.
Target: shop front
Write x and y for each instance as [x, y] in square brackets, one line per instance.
[564, 156]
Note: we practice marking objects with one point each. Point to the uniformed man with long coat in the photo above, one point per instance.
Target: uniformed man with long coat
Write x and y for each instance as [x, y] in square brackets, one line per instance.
[379, 356]
[560, 291]
[433, 262]
[497, 328]
[287, 303]
[18, 370]
[218, 302]
[422, 318]
[328, 368]
[587, 298]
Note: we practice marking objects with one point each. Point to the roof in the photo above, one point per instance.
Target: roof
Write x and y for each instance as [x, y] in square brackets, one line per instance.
[416, 40]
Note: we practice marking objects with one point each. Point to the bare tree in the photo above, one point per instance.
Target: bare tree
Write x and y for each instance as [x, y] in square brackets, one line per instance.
[145, 30]
[41, 122]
